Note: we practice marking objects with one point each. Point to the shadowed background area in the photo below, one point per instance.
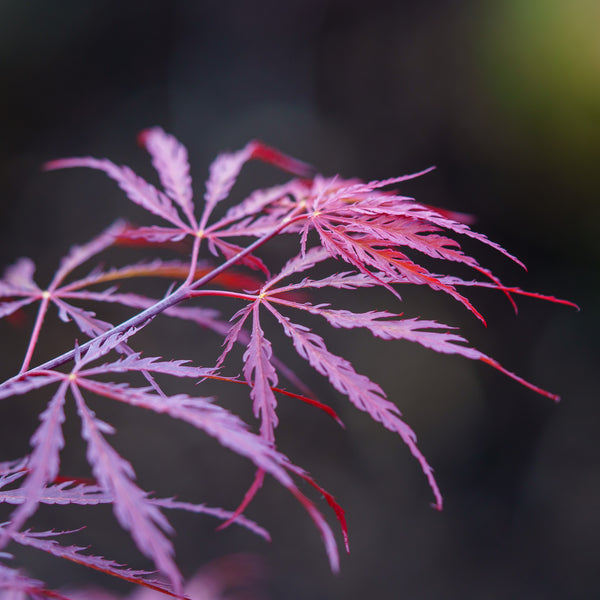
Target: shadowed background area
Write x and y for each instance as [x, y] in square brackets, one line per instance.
[504, 98]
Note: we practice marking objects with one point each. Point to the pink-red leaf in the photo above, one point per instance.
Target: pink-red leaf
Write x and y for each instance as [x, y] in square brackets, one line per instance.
[222, 175]
[229, 430]
[170, 159]
[361, 391]
[261, 375]
[15, 585]
[138, 190]
[133, 510]
[42, 540]
[44, 461]
[79, 254]
[418, 330]
[18, 278]
[276, 158]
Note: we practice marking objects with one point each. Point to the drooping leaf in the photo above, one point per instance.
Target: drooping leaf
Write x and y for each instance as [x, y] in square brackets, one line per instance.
[134, 512]
[361, 391]
[381, 234]
[44, 461]
[228, 429]
[44, 540]
[261, 375]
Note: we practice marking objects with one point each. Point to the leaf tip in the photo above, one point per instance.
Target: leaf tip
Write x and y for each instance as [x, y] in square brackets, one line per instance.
[52, 165]
[142, 137]
[437, 505]
[261, 151]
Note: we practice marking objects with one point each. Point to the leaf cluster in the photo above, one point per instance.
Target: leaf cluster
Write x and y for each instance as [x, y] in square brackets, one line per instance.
[344, 235]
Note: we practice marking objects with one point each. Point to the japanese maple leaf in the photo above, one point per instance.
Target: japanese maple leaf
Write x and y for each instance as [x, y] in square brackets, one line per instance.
[133, 507]
[378, 236]
[19, 286]
[360, 390]
[174, 203]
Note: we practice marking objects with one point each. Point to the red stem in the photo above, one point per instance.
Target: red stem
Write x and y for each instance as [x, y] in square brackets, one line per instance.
[35, 334]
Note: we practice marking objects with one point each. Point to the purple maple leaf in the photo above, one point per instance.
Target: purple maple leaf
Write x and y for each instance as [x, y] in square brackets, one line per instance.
[344, 234]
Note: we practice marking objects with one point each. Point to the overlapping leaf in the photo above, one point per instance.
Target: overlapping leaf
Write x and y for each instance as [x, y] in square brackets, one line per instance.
[134, 509]
[381, 234]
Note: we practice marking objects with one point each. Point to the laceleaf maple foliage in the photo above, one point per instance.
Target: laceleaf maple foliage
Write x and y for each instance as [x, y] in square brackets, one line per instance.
[343, 234]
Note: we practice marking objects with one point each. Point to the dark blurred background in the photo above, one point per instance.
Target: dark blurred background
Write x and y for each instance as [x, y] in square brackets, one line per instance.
[504, 98]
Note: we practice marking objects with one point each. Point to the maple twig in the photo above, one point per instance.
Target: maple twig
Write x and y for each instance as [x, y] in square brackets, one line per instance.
[374, 230]
[146, 316]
